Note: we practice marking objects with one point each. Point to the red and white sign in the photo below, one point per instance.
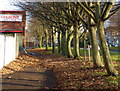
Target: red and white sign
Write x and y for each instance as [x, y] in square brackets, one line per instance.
[10, 17]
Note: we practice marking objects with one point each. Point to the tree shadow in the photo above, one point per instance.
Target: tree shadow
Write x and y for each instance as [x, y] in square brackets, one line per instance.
[45, 79]
[89, 76]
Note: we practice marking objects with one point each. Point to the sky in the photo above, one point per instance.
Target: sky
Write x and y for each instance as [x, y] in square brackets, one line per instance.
[6, 5]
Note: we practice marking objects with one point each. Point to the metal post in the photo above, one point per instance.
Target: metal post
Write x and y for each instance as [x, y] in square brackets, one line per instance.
[88, 52]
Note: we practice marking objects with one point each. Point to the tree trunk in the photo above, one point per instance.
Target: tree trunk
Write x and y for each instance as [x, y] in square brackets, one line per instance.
[59, 42]
[76, 40]
[69, 39]
[40, 42]
[50, 40]
[105, 51]
[53, 42]
[64, 42]
[95, 52]
[46, 39]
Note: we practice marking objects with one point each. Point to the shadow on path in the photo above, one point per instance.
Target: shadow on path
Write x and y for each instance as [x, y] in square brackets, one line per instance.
[29, 78]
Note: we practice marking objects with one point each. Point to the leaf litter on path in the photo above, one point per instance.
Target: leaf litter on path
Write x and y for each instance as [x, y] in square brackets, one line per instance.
[67, 73]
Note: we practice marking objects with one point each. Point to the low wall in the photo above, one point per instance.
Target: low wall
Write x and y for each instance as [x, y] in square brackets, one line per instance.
[9, 48]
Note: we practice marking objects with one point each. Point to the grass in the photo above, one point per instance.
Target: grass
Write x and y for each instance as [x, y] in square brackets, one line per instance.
[113, 79]
[114, 48]
[101, 73]
[43, 47]
[36, 47]
[114, 55]
[82, 51]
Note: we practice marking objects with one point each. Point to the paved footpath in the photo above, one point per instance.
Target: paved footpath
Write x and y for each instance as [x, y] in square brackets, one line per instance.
[30, 77]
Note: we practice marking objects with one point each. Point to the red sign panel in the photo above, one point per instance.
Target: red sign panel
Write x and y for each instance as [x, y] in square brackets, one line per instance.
[12, 21]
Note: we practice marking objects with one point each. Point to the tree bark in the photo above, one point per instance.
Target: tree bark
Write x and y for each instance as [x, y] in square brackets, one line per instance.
[76, 40]
[59, 42]
[69, 39]
[53, 42]
[46, 39]
[40, 42]
[50, 40]
[104, 47]
[64, 42]
[95, 52]
[105, 51]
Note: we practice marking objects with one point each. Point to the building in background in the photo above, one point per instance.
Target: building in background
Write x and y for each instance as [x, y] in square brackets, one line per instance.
[113, 30]
[31, 42]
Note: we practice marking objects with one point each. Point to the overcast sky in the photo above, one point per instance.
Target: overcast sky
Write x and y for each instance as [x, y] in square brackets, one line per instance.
[6, 5]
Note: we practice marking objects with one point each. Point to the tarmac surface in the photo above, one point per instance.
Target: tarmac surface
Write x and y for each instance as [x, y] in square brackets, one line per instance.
[26, 73]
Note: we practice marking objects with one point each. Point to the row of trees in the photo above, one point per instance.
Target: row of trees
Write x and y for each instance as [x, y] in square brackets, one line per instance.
[72, 20]
[39, 31]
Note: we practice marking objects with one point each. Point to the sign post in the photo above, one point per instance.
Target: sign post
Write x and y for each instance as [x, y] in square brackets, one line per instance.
[12, 27]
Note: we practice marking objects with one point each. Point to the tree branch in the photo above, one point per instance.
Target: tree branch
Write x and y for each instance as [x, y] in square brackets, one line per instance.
[88, 11]
[107, 10]
[113, 12]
